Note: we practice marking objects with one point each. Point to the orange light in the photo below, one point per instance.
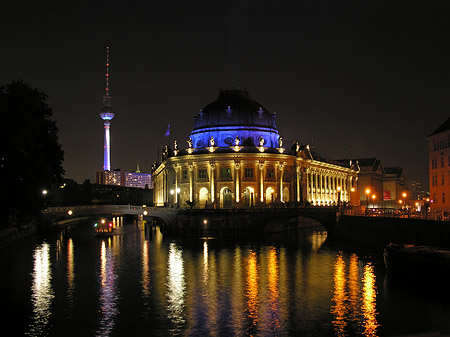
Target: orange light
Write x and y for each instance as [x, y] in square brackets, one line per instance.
[368, 191]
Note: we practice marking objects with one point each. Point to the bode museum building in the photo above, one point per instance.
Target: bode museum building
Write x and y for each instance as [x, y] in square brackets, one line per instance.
[236, 158]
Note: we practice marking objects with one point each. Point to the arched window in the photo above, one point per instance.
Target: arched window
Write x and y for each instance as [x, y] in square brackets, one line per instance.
[203, 197]
[270, 195]
[225, 198]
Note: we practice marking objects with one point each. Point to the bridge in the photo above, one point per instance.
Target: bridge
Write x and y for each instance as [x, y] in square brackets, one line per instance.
[202, 221]
[370, 231]
[225, 222]
[63, 215]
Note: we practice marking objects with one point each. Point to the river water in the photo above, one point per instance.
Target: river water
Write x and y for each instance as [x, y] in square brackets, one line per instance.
[139, 282]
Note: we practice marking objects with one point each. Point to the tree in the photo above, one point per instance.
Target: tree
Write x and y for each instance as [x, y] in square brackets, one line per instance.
[30, 153]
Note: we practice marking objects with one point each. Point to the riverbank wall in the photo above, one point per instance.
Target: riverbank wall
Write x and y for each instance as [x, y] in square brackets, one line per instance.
[377, 232]
[13, 233]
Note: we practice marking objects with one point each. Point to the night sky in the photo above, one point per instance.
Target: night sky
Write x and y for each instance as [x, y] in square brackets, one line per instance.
[351, 78]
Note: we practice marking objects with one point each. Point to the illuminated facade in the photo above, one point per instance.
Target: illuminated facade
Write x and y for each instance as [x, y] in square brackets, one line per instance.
[235, 158]
[121, 178]
[439, 167]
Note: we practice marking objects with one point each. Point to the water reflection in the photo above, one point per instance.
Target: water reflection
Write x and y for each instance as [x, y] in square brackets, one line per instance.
[42, 292]
[175, 287]
[354, 297]
[369, 301]
[108, 291]
[145, 270]
[273, 290]
[339, 310]
[252, 289]
[203, 287]
[317, 239]
[70, 275]
[205, 262]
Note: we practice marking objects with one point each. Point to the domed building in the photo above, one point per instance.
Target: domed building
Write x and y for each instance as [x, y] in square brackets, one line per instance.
[236, 158]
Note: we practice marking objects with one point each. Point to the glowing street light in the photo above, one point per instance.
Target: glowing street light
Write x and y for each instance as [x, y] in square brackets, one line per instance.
[367, 198]
[373, 200]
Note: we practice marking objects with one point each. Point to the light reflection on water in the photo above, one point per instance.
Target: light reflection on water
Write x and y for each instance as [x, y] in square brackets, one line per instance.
[175, 287]
[201, 287]
[42, 293]
[354, 297]
[252, 290]
[108, 290]
[70, 276]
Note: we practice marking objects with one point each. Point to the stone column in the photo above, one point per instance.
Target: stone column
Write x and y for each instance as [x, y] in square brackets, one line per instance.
[176, 183]
[237, 178]
[261, 186]
[213, 191]
[191, 187]
[281, 167]
[316, 181]
[297, 172]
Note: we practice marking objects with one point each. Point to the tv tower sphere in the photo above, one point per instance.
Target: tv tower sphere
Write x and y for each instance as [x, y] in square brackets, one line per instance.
[107, 114]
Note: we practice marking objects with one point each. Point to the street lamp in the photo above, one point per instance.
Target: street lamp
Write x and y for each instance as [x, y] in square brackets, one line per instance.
[373, 200]
[172, 192]
[178, 196]
[367, 198]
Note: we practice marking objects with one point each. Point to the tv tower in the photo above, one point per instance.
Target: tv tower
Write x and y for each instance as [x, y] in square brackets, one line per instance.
[107, 114]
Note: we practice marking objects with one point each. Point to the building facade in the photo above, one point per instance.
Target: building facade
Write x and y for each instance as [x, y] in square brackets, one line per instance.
[121, 178]
[382, 187]
[439, 167]
[236, 158]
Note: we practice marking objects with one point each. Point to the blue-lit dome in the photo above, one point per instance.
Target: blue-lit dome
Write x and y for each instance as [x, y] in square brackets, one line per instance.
[233, 115]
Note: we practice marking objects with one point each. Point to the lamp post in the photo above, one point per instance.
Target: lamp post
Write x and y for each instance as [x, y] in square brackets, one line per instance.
[373, 200]
[172, 192]
[404, 198]
[367, 198]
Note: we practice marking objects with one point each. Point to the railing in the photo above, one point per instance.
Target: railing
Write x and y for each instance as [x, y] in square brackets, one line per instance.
[92, 208]
[407, 214]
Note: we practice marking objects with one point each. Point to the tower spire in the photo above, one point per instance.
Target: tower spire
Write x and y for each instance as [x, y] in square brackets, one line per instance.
[107, 114]
[107, 96]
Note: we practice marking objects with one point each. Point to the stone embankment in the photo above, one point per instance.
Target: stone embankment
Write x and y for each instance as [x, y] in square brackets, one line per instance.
[378, 232]
[10, 234]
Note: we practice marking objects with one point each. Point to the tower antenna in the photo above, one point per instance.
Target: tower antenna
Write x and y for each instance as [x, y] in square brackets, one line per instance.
[107, 114]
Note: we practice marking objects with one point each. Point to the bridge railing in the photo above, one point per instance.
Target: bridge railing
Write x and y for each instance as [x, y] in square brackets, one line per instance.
[93, 209]
[409, 214]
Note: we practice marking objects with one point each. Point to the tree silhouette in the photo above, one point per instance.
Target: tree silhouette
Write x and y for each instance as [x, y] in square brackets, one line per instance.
[30, 154]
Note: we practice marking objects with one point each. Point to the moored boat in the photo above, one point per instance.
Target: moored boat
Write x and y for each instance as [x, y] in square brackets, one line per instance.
[417, 261]
[104, 227]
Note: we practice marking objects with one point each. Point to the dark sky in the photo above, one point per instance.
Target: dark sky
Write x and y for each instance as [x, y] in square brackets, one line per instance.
[352, 78]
